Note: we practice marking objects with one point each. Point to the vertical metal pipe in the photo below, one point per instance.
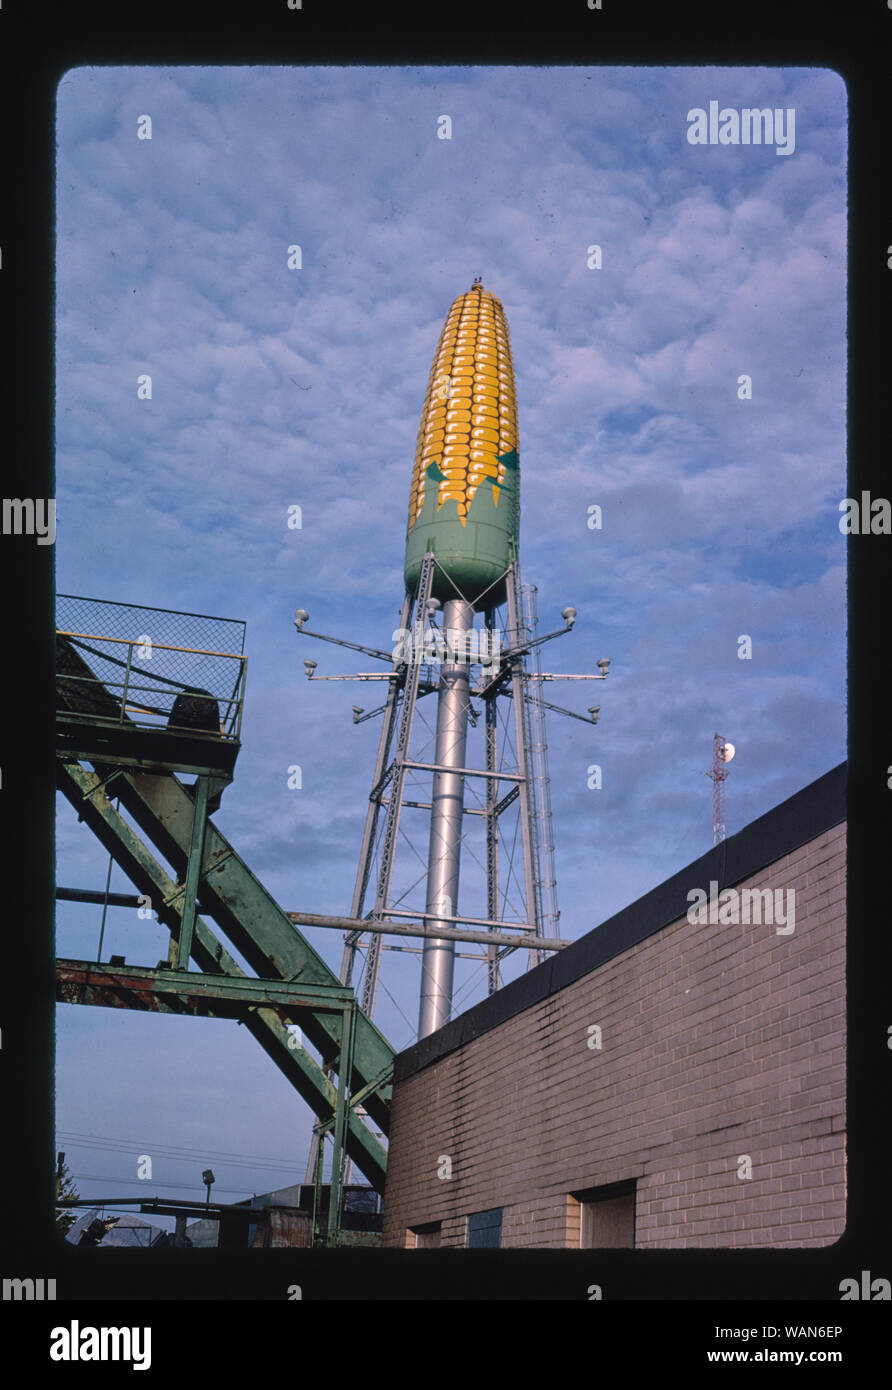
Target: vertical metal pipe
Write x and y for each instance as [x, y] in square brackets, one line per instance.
[444, 855]
[492, 822]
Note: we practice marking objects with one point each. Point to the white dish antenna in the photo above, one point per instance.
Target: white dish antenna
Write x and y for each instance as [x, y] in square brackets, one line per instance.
[726, 752]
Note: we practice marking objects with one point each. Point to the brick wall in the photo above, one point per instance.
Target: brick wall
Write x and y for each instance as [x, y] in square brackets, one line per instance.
[718, 1042]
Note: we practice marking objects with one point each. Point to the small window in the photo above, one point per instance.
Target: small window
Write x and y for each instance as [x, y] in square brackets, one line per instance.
[485, 1230]
[425, 1237]
[607, 1217]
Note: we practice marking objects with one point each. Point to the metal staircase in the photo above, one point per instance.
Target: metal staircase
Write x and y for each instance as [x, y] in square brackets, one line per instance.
[105, 754]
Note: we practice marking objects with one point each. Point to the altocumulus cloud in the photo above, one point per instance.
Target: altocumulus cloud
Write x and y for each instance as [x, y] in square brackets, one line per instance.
[274, 387]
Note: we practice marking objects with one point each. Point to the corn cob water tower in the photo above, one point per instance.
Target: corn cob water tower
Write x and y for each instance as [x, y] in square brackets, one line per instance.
[492, 800]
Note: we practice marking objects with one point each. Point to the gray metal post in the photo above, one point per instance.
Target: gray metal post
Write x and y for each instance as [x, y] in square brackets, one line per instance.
[444, 858]
[126, 682]
[523, 740]
[319, 1133]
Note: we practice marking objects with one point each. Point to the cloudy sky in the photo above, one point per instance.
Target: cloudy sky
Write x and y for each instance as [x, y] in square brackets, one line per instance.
[273, 387]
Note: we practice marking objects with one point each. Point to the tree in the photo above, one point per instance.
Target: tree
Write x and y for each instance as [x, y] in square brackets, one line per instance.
[65, 1190]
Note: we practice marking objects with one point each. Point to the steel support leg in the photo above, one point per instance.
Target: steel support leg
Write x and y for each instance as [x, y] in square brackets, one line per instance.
[367, 851]
[397, 778]
[345, 1065]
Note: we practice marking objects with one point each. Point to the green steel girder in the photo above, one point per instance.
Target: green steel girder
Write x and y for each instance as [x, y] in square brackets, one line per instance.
[250, 917]
[85, 791]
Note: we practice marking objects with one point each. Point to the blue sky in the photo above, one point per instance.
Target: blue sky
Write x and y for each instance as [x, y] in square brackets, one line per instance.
[719, 515]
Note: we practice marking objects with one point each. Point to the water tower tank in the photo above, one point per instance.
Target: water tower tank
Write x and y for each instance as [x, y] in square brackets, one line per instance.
[464, 503]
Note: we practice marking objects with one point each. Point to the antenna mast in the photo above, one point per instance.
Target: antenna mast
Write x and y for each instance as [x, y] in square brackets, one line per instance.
[722, 753]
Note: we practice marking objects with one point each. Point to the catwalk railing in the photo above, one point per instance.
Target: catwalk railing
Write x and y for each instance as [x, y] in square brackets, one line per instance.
[149, 668]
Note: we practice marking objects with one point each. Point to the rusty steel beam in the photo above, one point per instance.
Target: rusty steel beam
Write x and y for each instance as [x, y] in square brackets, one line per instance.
[190, 992]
